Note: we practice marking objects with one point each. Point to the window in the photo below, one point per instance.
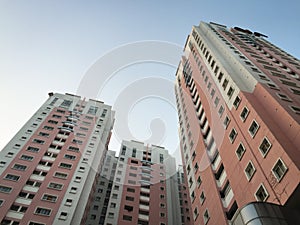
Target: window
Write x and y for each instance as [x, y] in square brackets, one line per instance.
[225, 83]
[74, 149]
[226, 122]
[261, 193]
[60, 175]
[48, 128]
[196, 213]
[63, 215]
[38, 141]
[32, 149]
[12, 177]
[75, 141]
[65, 165]
[199, 181]
[128, 208]
[5, 189]
[202, 197]
[26, 195]
[27, 157]
[250, 170]
[253, 128]
[244, 113]
[131, 190]
[73, 190]
[43, 211]
[295, 109]
[284, 97]
[33, 183]
[279, 169]
[240, 151]
[128, 198]
[71, 157]
[19, 167]
[221, 110]
[43, 134]
[230, 92]
[35, 223]
[49, 198]
[236, 102]
[77, 179]
[216, 102]
[55, 186]
[232, 135]
[206, 216]
[265, 146]
[128, 218]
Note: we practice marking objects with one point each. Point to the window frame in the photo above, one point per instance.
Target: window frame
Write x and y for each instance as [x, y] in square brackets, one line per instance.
[264, 154]
[284, 172]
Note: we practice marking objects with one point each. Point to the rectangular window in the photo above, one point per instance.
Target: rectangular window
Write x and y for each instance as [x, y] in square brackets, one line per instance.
[5, 189]
[250, 170]
[55, 186]
[49, 198]
[279, 169]
[202, 197]
[76, 141]
[221, 110]
[206, 216]
[230, 92]
[65, 165]
[265, 146]
[232, 135]
[48, 128]
[225, 83]
[38, 141]
[26, 157]
[129, 198]
[253, 128]
[35, 223]
[53, 121]
[295, 109]
[226, 122]
[74, 149]
[240, 151]
[131, 190]
[43, 134]
[12, 177]
[60, 175]
[19, 167]
[71, 157]
[261, 193]
[43, 211]
[236, 102]
[244, 113]
[32, 149]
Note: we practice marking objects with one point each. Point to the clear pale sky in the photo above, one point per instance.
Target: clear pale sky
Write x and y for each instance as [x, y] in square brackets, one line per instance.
[48, 46]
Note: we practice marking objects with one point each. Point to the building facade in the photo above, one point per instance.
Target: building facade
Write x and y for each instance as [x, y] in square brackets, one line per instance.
[102, 193]
[48, 169]
[238, 99]
[144, 189]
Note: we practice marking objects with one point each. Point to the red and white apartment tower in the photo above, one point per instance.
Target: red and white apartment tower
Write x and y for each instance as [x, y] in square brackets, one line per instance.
[238, 99]
[48, 169]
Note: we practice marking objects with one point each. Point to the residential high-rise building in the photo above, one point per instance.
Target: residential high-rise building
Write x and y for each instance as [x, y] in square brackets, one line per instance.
[48, 169]
[145, 187]
[184, 198]
[238, 99]
[102, 193]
